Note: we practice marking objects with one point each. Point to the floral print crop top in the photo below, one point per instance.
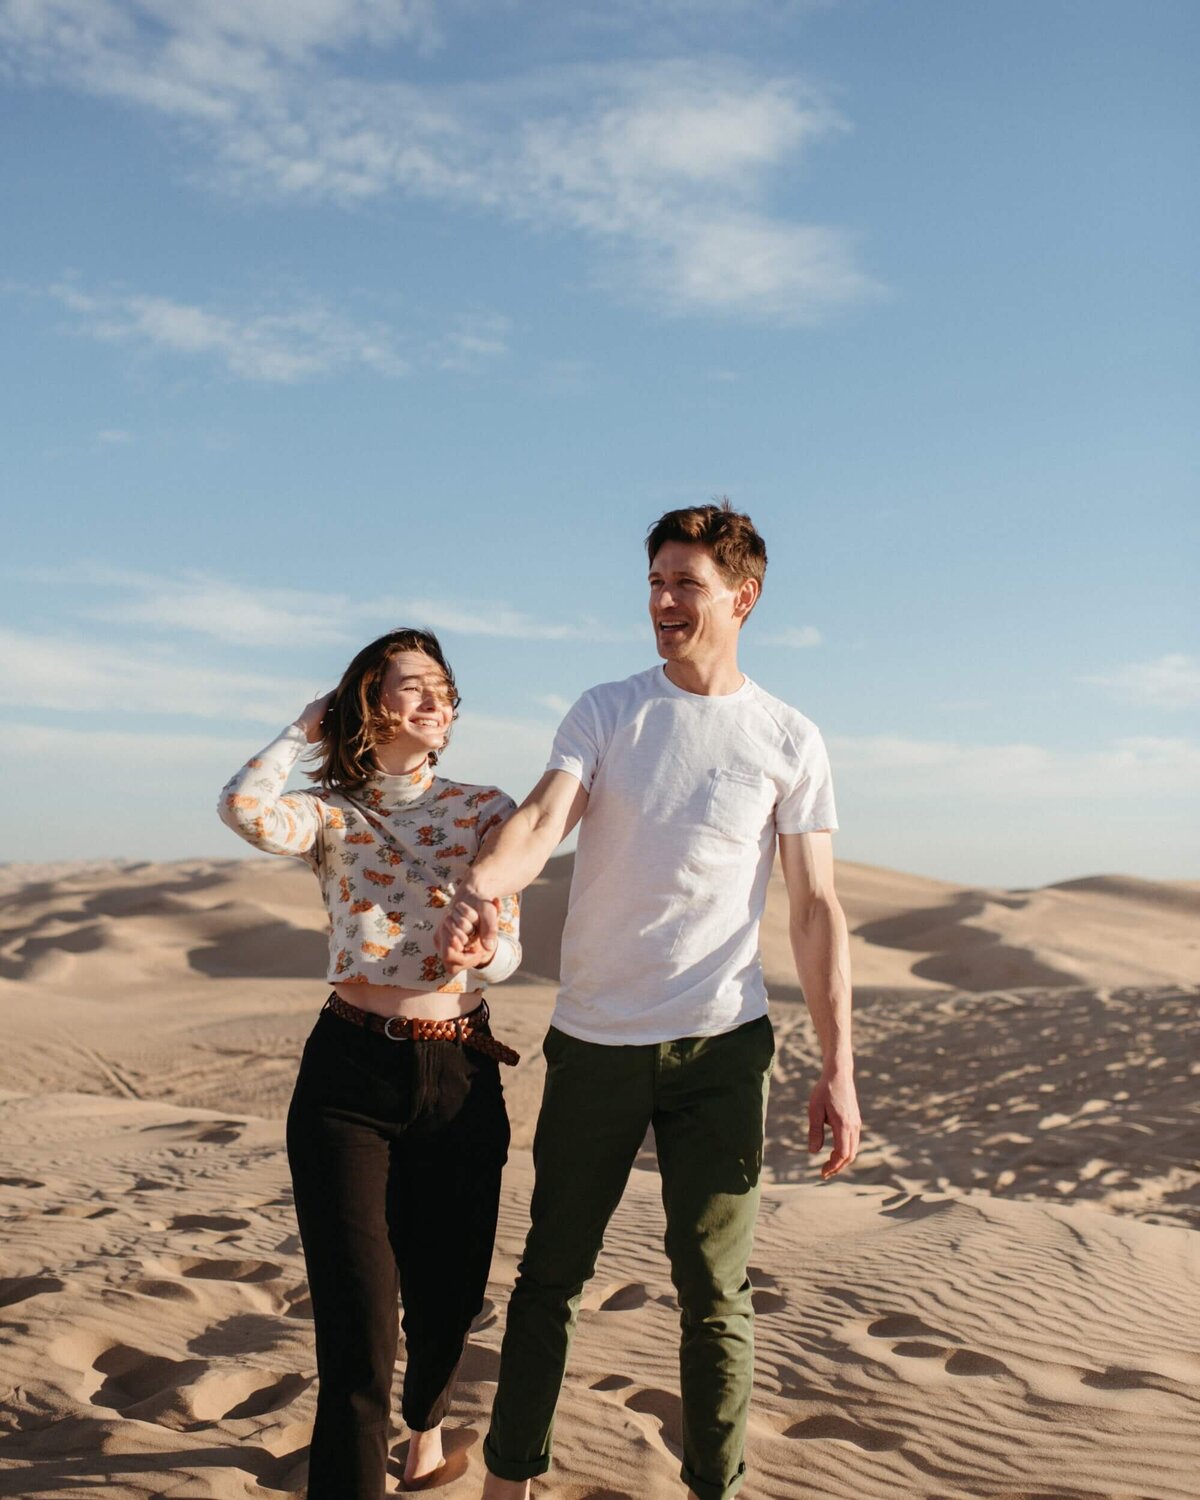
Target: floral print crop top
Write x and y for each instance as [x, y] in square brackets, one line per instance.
[388, 859]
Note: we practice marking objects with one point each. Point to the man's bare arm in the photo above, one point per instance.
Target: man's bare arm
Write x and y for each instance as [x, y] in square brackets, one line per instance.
[511, 858]
[821, 948]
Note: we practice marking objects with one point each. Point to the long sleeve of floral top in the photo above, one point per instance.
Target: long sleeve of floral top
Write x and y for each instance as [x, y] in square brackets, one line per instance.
[388, 859]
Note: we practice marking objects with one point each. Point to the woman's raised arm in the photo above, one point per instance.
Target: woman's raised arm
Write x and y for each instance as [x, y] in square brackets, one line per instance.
[251, 802]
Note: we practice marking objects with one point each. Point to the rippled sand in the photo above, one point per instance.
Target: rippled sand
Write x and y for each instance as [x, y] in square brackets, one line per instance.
[1002, 1300]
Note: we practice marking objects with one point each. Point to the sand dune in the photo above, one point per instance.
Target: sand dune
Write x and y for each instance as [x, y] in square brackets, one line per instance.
[908, 930]
[262, 919]
[908, 1345]
[1003, 1300]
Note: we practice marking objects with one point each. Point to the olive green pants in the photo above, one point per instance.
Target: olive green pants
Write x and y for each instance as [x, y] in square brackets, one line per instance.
[706, 1098]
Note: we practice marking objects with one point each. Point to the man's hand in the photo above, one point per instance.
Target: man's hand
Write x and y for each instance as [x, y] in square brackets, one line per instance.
[834, 1103]
[467, 935]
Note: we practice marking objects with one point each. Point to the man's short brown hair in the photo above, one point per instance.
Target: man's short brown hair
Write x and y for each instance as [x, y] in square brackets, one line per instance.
[736, 548]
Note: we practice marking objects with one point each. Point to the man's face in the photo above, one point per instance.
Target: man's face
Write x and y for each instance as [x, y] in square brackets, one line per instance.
[693, 609]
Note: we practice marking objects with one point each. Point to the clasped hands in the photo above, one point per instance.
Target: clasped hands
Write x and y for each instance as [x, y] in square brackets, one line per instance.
[467, 935]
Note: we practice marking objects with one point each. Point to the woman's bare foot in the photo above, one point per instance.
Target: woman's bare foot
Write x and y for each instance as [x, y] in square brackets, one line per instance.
[424, 1454]
[505, 1489]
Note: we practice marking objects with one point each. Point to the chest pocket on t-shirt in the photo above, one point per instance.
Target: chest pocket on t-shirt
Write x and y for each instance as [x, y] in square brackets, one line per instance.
[737, 805]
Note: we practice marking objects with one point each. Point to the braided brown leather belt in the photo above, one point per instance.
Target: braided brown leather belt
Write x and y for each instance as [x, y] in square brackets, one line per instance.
[471, 1030]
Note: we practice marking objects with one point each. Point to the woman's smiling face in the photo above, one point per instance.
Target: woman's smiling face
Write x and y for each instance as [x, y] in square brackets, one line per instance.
[416, 696]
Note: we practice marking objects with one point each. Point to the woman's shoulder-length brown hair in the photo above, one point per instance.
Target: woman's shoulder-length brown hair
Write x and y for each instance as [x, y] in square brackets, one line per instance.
[355, 721]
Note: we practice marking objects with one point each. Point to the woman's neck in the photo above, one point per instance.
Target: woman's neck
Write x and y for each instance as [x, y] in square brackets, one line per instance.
[397, 760]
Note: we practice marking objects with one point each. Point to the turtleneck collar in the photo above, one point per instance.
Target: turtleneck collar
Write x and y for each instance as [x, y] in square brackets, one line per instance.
[383, 790]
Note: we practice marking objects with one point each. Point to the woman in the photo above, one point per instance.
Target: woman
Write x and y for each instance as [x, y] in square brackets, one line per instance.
[397, 1131]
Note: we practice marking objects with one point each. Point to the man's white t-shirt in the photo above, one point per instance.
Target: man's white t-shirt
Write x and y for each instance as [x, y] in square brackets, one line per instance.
[686, 796]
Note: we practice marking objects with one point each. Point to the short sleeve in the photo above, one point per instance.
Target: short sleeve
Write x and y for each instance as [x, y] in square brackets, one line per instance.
[577, 745]
[808, 805]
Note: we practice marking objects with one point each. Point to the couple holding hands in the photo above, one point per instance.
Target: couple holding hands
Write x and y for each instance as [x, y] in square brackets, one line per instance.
[684, 779]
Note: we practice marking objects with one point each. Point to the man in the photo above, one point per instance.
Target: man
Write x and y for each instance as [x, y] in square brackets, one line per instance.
[684, 778]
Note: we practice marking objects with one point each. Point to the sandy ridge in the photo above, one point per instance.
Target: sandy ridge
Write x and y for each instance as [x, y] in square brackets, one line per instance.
[1003, 1301]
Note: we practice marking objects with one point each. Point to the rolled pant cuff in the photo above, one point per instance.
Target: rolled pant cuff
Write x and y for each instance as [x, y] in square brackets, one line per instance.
[504, 1468]
[703, 1489]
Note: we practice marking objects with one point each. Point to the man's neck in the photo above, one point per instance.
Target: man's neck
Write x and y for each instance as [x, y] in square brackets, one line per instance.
[711, 679]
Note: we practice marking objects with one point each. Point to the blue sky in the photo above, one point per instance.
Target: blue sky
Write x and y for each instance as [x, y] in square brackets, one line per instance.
[324, 318]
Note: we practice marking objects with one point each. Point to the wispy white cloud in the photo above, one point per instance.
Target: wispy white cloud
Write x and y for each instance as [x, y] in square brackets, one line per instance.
[1133, 767]
[176, 777]
[510, 624]
[275, 347]
[196, 603]
[665, 165]
[71, 674]
[197, 60]
[477, 740]
[1171, 681]
[555, 702]
[799, 637]
[113, 436]
[474, 343]
[118, 750]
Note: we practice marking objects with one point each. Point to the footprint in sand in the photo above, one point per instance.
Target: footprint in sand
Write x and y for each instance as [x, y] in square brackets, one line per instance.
[766, 1296]
[626, 1298]
[21, 1288]
[230, 1270]
[970, 1362]
[1117, 1378]
[664, 1408]
[244, 1333]
[906, 1326]
[872, 1439]
[206, 1132]
[914, 1206]
[611, 1383]
[134, 1380]
[167, 1291]
[21, 1182]
[230, 1395]
[284, 1475]
[919, 1349]
[77, 1211]
[224, 1222]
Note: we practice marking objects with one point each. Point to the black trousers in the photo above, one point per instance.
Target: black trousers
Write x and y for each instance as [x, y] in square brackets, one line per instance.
[396, 1151]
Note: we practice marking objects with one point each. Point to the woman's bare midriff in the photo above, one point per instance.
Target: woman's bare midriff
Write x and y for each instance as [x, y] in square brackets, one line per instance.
[391, 1000]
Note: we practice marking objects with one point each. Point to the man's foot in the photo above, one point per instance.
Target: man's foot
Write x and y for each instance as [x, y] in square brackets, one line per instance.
[504, 1489]
[424, 1454]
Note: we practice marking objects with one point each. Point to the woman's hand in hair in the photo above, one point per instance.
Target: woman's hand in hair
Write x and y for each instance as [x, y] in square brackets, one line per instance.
[310, 717]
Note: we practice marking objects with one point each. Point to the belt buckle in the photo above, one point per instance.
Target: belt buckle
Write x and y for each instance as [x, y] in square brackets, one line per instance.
[387, 1029]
